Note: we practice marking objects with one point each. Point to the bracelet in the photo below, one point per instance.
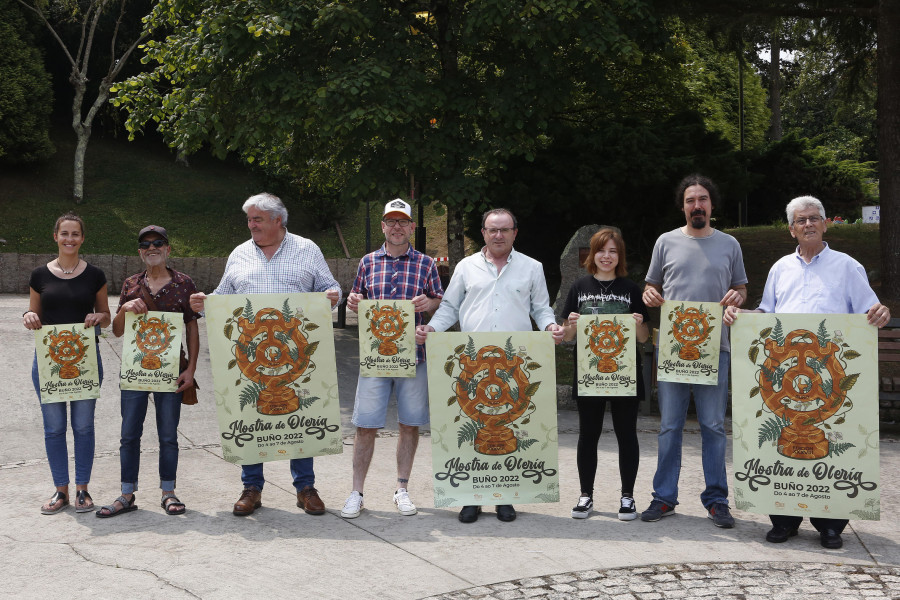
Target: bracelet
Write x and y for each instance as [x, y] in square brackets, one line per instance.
[26, 312]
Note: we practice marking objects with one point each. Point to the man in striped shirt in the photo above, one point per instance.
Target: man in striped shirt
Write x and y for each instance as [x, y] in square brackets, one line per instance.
[274, 261]
[396, 271]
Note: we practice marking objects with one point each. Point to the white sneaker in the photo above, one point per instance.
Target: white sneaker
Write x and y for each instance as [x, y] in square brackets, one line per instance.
[583, 508]
[352, 506]
[627, 512]
[404, 504]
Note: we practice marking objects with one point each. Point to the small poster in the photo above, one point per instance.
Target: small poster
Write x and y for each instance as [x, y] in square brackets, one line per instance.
[493, 418]
[689, 340]
[275, 376]
[805, 415]
[387, 338]
[607, 363]
[151, 351]
[67, 362]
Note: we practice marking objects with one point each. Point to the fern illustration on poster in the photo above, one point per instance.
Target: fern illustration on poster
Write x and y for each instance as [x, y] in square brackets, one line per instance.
[493, 418]
[805, 415]
[606, 355]
[151, 351]
[689, 339]
[274, 375]
[67, 362]
[387, 338]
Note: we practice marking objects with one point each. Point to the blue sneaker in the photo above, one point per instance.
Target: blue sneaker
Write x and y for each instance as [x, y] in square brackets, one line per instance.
[720, 515]
[656, 511]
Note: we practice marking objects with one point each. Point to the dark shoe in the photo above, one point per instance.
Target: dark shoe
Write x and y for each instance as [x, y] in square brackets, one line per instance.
[171, 504]
[469, 514]
[308, 499]
[656, 511]
[250, 500]
[58, 499]
[505, 512]
[112, 511]
[831, 539]
[779, 534]
[83, 502]
[721, 515]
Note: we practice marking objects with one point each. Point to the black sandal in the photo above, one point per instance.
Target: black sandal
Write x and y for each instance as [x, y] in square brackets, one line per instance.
[82, 497]
[112, 511]
[175, 502]
[57, 497]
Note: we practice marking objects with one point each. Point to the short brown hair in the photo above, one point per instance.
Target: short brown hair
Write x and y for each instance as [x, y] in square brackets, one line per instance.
[69, 216]
[598, 241]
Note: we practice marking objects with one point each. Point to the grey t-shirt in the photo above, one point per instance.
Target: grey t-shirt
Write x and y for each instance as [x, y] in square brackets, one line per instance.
[697, 269]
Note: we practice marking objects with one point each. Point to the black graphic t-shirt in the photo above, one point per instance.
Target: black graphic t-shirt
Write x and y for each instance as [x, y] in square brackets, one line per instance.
[587, 296]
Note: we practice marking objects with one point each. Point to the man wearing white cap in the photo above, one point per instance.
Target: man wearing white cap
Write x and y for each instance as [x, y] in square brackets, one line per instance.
[396, 271]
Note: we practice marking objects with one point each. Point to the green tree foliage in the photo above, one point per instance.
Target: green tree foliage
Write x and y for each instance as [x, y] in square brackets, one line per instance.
[351, 97]
[25, 94]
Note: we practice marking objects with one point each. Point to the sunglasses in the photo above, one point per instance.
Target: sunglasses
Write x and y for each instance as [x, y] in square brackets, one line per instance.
[154, 243]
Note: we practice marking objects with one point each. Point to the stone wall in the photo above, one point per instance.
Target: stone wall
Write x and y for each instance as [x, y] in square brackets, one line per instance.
[15, 270]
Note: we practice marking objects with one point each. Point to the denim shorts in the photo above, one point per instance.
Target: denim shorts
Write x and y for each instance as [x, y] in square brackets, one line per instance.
[374, 393]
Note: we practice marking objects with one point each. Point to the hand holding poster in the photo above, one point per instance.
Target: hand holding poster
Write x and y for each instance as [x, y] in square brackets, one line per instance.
[275, 376]
[151, 351]
[606, 355]
[689, 340]
[805, 415]
[494, 440]
[387, 338]
[67, 362]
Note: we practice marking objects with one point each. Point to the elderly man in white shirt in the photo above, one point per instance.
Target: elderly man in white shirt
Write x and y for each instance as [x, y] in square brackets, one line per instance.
[814, 279]
[495, 289]
[275, 261]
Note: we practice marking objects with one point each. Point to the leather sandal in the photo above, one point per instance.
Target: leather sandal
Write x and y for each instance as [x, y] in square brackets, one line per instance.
[83, 502]
[175, 507]
[59, 497]
[112, 511]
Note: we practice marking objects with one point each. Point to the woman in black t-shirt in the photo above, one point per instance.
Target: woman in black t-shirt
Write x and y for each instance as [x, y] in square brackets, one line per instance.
[68, 290]
[606, 291]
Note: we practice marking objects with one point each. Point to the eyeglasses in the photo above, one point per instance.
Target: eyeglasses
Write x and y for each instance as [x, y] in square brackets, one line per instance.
[496, 230]
[393, 222]
[154, 243]
[804, 220]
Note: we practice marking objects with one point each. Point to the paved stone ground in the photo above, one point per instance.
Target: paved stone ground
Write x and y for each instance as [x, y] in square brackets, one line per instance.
[724, 581]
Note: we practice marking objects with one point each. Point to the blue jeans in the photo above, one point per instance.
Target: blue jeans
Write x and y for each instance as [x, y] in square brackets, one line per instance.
[710, 402]
[301, 471]
[54, 415]
[168, 413]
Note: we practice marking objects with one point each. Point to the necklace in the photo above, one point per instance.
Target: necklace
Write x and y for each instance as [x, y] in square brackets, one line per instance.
[70, 271]
[606, 288]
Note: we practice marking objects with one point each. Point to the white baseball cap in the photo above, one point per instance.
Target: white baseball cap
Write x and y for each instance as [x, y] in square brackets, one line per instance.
[397, 208]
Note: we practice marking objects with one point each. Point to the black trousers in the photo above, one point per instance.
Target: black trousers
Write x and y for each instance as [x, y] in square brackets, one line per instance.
[590, 420]
[821, 524]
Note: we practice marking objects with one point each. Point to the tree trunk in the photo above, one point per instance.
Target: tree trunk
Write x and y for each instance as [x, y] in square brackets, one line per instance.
[82, 134]
[888, 125]
[775, 131]
[455, 240]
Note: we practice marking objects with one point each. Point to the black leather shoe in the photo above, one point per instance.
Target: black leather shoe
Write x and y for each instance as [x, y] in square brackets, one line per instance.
[779, 534]
[831, 539]
[469, 514]
[505, 512]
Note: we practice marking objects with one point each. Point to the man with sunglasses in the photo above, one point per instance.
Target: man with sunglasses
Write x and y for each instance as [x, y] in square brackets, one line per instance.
[275, 261]
[495, 289]
[396, 271]
[157, 288]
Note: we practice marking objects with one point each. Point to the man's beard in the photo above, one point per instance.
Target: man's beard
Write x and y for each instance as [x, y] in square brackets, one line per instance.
[698, 219]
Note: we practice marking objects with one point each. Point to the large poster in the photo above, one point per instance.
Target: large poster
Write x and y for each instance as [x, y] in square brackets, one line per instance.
[689, 340]
[607, 363]
[275, 376]
[67, 362]
[387, 338]
[151, 351]
[493, 418]
[805, 415]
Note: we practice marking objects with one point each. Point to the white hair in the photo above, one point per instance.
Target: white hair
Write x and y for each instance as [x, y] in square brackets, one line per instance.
[268, 203]
[802, 203]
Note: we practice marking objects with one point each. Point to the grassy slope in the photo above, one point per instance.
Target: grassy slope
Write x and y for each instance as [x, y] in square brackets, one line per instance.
[129, 185]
